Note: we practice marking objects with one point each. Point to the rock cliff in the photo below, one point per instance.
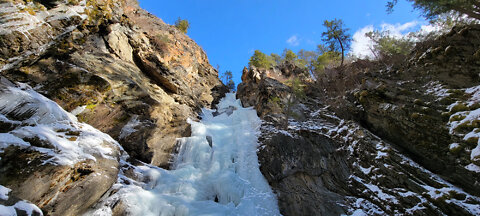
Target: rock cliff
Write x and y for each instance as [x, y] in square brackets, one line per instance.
[375, 140]
[122, 69]
[113, 66]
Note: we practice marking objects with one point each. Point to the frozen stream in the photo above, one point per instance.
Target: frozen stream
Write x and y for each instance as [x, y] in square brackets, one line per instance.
[216, 171]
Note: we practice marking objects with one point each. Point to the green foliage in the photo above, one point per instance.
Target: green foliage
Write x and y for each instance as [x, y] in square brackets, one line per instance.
[260, 60]
[336, 36]
[227, 79]
[327, 59]
[307, 59]
[289, 55]
[182, 24]
[385, 45]
[276, 58]
[433, 8]
[276, 104]
[298, 88]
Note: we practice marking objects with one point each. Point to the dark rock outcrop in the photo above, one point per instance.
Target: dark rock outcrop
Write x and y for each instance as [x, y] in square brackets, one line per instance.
[394, 155]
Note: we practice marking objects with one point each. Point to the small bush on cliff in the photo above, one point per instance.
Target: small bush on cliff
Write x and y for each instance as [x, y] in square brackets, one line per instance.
[386, 46]
[182, 24]
[260, 60]
[292, 99]
[227, 79]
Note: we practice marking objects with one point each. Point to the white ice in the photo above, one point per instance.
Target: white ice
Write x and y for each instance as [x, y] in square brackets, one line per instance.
[218, 175]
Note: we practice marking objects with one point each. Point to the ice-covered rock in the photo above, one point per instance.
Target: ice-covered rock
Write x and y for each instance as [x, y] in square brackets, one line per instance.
[48, 157]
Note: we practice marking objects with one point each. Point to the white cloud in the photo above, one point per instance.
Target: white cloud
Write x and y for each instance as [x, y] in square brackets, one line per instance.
[361, 44]
[293, 41]
[399, 30]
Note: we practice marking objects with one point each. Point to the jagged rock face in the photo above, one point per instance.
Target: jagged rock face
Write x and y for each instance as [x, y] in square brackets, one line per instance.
[121, 69]
[260, 86]
[321, 164]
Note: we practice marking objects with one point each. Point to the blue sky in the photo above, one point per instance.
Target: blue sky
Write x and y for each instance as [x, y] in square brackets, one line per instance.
[230, 30]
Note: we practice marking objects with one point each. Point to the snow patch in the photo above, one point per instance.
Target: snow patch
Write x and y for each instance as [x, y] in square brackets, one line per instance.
[4, 192]
[78, 110]
[129, 128]
[473, 167]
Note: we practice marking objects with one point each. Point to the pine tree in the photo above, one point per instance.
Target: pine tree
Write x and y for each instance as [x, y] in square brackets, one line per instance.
[336, 36]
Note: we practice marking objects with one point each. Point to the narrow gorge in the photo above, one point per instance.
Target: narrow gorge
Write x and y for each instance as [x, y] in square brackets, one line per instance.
[107, 110]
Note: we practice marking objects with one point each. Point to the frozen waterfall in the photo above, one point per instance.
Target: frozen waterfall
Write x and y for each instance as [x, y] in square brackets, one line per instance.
[216, 171]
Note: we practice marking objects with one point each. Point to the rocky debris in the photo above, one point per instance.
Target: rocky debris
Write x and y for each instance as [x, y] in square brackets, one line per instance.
[50, 159]
[324, 165]
[120, 64]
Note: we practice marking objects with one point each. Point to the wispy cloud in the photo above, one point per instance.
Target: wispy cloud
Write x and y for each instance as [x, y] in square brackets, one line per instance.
[293, 40]
[399, 30]
[361, 44]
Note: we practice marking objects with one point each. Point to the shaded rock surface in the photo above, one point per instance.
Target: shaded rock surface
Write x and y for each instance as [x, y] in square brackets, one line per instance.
[383, 141]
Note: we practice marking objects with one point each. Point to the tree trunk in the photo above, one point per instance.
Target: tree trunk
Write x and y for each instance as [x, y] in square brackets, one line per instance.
[343, 55]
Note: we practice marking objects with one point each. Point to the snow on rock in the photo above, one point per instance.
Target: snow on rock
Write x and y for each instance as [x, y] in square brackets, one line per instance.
[4, 192]
[436, 89]
[78, 110]
[25, 18]
[11, 210]
[211, 176]
[462, 120]
[21, 20]
[41, 125]
[129, 128]
[473, 167]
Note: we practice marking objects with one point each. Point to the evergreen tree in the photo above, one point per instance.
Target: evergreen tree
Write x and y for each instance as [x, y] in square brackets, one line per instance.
[336, 36]
[289, 55]
[276, 58]
[227, 79]
[260, 60]
[182, 24]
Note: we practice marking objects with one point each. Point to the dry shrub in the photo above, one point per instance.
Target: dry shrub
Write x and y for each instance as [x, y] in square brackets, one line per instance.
[160, 42]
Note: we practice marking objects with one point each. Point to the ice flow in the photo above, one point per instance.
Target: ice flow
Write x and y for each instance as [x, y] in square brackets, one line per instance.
[216, 171]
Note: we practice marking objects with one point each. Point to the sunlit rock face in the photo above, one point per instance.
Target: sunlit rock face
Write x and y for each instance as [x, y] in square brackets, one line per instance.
[123, 70]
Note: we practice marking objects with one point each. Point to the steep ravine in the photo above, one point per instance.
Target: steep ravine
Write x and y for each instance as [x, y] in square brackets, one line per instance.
[113, 66]
[106, 110]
